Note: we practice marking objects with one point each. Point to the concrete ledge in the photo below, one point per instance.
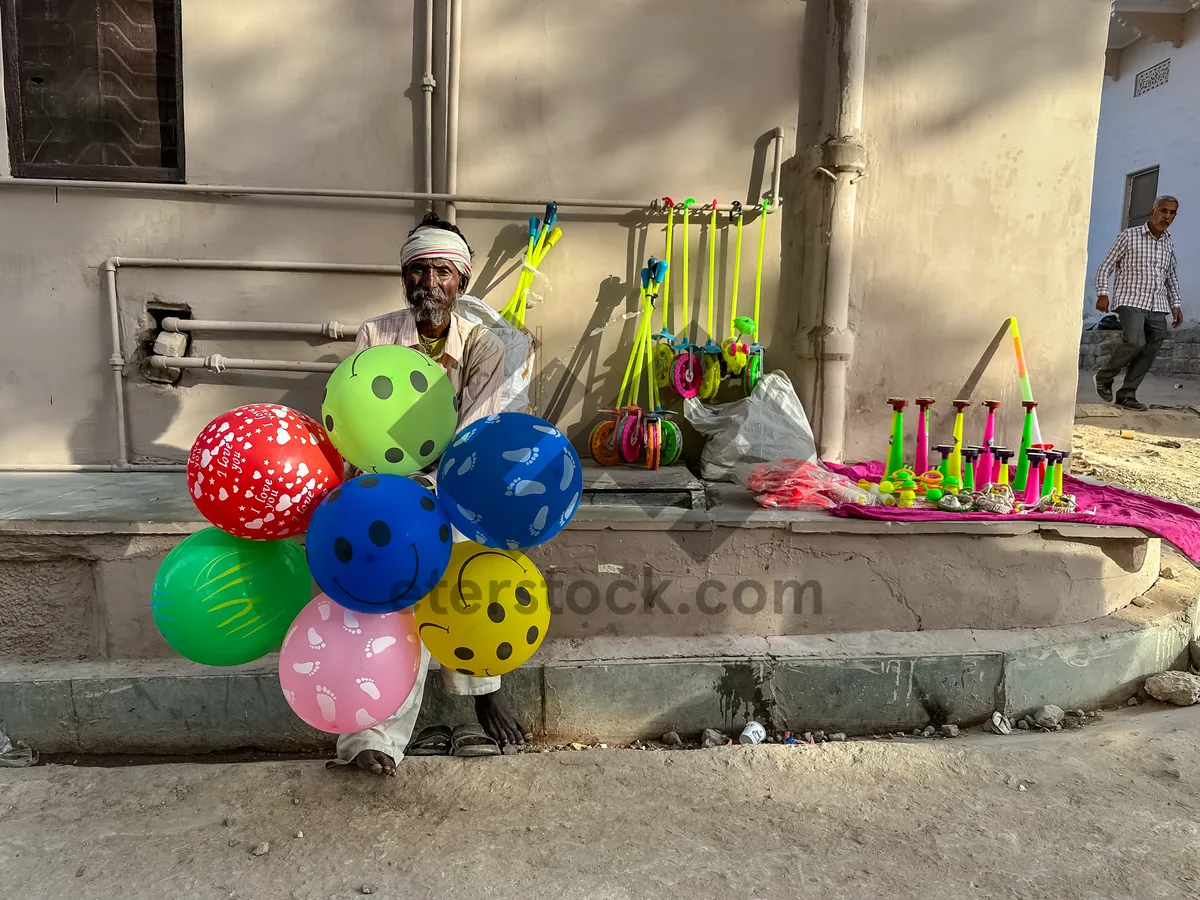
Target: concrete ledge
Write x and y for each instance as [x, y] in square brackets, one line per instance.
[617, 689]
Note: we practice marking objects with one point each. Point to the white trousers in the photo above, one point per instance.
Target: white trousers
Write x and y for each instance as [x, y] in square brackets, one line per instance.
[392, 735]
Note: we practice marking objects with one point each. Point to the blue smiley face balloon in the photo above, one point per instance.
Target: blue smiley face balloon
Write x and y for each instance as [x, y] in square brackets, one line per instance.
[510, 481]
[378, 543]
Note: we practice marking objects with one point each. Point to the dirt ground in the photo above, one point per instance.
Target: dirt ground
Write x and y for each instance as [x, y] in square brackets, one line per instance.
[1160, 457]
[1110, 810]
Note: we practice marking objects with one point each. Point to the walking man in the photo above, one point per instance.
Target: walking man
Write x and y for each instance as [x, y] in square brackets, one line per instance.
[1147, 284]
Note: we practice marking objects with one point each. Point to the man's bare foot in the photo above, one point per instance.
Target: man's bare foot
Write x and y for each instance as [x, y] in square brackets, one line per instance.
[375, 762]
[498, 721]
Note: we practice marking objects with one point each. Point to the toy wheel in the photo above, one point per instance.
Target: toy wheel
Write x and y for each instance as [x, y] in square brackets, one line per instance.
[653, 439]
[603, 445]
[664, 359]
[672, 443]
[629, 438]
[685, 374]
[710, 381]
[734, 355]
[752, 373]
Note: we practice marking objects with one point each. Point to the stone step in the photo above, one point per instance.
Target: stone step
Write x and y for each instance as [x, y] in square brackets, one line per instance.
[620, 688]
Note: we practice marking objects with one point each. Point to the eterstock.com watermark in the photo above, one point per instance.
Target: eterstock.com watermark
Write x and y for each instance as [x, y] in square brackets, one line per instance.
[649, 594]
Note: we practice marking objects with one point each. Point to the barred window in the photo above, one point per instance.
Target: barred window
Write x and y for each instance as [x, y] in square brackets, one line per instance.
[1149, 79]
[94, 89]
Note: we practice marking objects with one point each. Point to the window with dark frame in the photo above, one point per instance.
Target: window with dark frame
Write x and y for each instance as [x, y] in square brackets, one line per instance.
[94, 89]
[1141, 190]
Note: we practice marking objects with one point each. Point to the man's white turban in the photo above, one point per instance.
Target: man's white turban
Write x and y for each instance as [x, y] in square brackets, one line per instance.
[429, 242]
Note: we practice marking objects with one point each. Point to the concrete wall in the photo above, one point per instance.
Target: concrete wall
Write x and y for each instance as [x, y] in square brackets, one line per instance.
[618, 99]
[1159, 128]
[980, 122]
[980, 125]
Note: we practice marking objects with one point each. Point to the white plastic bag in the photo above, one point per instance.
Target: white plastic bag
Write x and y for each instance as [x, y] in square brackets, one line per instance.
[769, 424]
[518, 351]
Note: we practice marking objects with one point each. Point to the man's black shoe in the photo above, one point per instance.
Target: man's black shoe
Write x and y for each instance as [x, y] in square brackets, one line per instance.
[1104, 390]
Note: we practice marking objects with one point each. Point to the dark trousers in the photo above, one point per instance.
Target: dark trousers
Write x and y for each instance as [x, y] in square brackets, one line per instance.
[1142, 334]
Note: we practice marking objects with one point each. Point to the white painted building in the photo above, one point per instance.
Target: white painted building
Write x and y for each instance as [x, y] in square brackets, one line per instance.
[1149, 136]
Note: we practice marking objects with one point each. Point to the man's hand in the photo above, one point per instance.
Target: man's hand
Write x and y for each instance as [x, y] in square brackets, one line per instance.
[1176, 317]
[1102, 303]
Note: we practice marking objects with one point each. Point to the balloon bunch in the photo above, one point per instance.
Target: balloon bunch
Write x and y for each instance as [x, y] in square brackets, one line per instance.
[381, 547]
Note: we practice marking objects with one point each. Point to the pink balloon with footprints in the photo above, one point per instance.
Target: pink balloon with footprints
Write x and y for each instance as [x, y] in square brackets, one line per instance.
[343, 672]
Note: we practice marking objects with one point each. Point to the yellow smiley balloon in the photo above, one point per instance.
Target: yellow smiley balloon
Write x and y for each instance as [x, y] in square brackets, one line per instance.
[488, 614]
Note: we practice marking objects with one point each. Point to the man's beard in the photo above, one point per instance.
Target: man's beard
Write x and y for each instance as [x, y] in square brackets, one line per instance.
[430, 306]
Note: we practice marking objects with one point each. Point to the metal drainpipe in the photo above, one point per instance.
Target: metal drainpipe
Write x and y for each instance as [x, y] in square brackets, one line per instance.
[335, 331]
[428, 83]
[452, 93]
[844, 159]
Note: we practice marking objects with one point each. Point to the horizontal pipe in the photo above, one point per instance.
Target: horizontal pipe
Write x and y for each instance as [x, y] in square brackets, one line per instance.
[334, 330]
[254, 265]
[218, 363]
[405, 197]
[93, 467]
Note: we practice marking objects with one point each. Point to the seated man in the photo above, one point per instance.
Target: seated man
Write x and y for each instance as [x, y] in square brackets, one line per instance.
[436, 263]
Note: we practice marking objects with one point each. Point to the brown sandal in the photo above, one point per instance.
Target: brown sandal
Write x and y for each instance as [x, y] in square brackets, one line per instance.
[471, 740]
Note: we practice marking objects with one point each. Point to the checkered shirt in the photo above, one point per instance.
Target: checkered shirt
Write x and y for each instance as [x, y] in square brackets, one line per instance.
[1146, 277]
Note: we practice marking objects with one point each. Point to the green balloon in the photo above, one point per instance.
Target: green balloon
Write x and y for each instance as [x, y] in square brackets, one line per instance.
[389, 409]
[222, 600]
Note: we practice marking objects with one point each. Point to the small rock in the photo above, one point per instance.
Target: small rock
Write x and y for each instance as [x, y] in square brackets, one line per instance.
[366, 889]
[712, 738]
[262, 849]
[950, 731]
[79, 872]
[1028, 720]
[1142, 602]
[604, 746]
[228, 822]
[1000, 723]
[899, 734]
[575, 745]
[1133, 701]
[1058, 727]
[929, 731]
[838, 736]
[1170, 445]
[299, 834]
[1166, 572]
[819, 737]
[1194, 652]
[671, 739]
[232, 842]
[510, 750]
[1023, 725]
[1048, 716]
[1179, 688]
[296, 801]
[916, 732]
[1079, 714]
[1021, 788]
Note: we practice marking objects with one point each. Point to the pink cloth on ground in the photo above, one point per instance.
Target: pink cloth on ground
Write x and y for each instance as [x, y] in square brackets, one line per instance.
[1173, 522]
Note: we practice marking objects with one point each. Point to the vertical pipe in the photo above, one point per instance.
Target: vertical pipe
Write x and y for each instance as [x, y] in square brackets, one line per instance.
[428, 83]
[452, 92]
[848, 51]
[117, 362]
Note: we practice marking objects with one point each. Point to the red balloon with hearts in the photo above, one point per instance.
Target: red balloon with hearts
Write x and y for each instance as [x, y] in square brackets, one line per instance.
[259, 471]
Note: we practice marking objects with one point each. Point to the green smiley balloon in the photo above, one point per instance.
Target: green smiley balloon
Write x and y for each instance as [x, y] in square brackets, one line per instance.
[389, 409]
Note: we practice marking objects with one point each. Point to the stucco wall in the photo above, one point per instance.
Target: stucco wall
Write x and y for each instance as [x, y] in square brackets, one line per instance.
[980, 122]
[1159, 128]
[980, 127]
[618, 99]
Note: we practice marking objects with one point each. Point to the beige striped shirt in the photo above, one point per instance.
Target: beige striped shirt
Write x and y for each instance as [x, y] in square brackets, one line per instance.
[473, 358]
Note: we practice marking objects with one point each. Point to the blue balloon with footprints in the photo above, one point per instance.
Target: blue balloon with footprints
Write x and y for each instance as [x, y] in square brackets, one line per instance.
[510, 481]
[378, 543]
